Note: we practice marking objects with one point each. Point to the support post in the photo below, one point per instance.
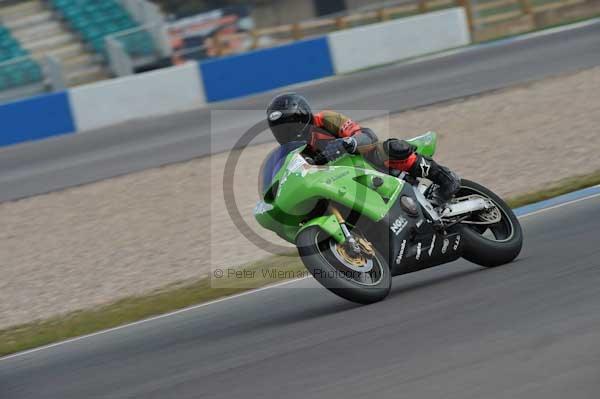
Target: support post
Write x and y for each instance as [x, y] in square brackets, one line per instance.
[526, 7]
[296, 31]
[55, 73]
[120, 62]
[466, 4]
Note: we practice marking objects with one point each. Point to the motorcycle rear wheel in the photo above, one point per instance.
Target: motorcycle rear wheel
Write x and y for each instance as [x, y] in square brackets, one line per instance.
[491, 245]
[315, 249]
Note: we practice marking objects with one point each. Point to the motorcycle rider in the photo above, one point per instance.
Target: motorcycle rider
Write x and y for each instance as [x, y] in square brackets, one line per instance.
[330, 135]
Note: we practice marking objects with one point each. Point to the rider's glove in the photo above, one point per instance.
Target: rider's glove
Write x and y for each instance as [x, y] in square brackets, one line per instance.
[334, 149]
[338, 147]
[350, 144]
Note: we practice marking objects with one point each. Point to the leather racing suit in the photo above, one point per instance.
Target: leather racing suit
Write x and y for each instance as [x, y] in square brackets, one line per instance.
[329, 129]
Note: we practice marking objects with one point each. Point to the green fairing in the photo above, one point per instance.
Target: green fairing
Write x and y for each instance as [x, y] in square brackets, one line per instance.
[328, 224]
[425, 143]
[347, 181]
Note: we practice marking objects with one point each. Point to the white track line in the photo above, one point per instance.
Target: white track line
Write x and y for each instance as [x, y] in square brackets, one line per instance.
[162, 316]
[153, 318]
[560, 205]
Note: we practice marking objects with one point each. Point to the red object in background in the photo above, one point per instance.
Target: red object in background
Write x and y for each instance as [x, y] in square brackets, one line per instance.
[191, 36]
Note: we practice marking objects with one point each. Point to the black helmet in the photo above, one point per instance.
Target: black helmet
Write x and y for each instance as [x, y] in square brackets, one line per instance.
[289, 117]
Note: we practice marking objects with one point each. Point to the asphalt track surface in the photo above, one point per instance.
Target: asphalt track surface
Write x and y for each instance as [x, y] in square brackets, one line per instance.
[529, 329]
[44, 166]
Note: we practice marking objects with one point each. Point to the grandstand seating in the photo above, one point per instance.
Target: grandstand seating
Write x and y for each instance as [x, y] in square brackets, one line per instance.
[96, 19]
[67, 38]
[32, 36]
[23, 70]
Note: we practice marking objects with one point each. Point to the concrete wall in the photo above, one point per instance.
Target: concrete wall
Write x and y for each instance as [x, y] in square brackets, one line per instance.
[391, 41]
[149, 94]
[36, 118]
[267, 69]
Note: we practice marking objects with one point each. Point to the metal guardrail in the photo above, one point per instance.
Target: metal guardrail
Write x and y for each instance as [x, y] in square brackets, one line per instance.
[480, 14]
[267, 37]
[194, 53]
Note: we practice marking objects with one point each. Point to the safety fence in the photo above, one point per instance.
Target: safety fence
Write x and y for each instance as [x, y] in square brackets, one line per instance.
[487, 19]
[273, 36]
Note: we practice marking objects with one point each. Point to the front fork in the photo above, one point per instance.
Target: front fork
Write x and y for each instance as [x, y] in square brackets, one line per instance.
[353, 245]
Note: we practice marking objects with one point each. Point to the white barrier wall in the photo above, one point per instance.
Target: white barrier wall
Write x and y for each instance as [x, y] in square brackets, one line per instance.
[139, 96]
[391, 41]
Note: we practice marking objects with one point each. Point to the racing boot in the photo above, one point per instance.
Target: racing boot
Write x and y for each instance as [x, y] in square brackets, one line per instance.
[399, 155]
[447, 182]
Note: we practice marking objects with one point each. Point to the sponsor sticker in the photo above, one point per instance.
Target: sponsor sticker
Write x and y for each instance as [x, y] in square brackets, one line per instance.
[296, 164]
[275, 115]
[456, 243]
[445, 245]
[424, 167]
[262, 207]
[401, 254]
[347, 125]
[432, 245]
[337, 177]
[399, 225]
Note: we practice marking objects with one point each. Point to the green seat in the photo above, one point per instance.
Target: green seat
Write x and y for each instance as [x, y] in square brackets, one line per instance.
[32, 71]
[99, 45]
[62, 3]
[22, 70]
[139, 43]
[15, 77]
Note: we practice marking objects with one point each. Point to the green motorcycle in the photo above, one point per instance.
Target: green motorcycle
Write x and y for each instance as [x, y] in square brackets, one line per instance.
[356, 226]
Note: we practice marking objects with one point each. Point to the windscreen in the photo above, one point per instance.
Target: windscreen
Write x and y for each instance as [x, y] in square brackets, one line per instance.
[275, 161]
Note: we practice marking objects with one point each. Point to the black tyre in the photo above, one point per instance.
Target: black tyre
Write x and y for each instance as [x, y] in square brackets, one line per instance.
[318, 253]
[494, 244]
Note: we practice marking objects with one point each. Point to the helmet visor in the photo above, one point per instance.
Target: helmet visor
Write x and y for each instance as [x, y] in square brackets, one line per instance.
[290, 127]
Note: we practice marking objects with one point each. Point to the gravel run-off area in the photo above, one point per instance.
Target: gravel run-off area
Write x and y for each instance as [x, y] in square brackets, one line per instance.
[93, 244]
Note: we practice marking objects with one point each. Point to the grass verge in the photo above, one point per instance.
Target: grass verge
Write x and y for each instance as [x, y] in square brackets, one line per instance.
[170, 298]
[563, 186]
[259, 274]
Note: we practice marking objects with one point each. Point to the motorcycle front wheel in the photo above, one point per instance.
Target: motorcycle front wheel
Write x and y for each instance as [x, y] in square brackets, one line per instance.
[363, 280]
[491, 238]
